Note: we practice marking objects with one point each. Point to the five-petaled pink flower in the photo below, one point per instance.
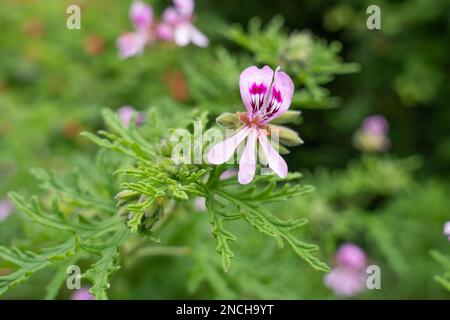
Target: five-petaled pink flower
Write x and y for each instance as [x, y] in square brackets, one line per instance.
[133, 43]
[266, 95]
[177, 25]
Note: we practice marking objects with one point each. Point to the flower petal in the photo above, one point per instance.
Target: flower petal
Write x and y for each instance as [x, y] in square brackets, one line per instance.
[182, 35]
[171, 16]
[164, 31]
[254, 84]
[345, 282]
[276, 162]
[198, 38]
[141, 15]
[280, 95]
[131, 44]
[185, 7]
[223, 151]
[247, 164]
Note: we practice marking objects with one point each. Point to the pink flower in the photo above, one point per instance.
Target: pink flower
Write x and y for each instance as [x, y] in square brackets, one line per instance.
[141, 15]
[266, 95]
[177, 25]
[376, 124]
[164, 31]
[82, 294]
[125, 114]
[345, 282]
[6, 208]
[133, 43]
[447, 229]
[348, 277]
[373, 134]
[352, 256]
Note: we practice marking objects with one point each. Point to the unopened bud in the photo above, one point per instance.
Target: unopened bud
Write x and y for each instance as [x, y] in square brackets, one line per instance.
[287, 117]
[228, 120]
[282, 149]
[126, 195]
[286, 136]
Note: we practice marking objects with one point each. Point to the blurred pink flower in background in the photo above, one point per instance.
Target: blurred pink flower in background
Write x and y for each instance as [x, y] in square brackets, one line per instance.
[266, 95]
[82, 294]
[348, 277]
[376, 125]
[141, 15]
[176, 25]
[133, 43]
[6, 208]
[125, 114]
[200, 204]
[447, 229]
[352, 256]
[373, 134]
[345, 282]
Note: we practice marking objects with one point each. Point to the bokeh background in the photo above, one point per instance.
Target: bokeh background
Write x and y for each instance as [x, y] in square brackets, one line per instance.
[393, 204]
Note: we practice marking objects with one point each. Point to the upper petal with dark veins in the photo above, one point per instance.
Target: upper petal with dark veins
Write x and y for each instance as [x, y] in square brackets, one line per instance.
[280, 96]
[255, 84]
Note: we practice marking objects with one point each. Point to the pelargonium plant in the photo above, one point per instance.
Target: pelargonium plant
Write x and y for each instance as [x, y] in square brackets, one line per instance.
[134, 190]
[141, 185]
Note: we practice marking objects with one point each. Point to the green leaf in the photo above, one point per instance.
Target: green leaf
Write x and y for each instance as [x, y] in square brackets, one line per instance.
[29, 263]
[444, 279]
[100, 272]
[222, 235]
[230, 200]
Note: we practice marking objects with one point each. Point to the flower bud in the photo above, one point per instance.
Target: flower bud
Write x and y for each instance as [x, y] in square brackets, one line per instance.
[280, 148]
[287, 117]
[228, 120]
[287, 137]
[126, 195]
[283, 150]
